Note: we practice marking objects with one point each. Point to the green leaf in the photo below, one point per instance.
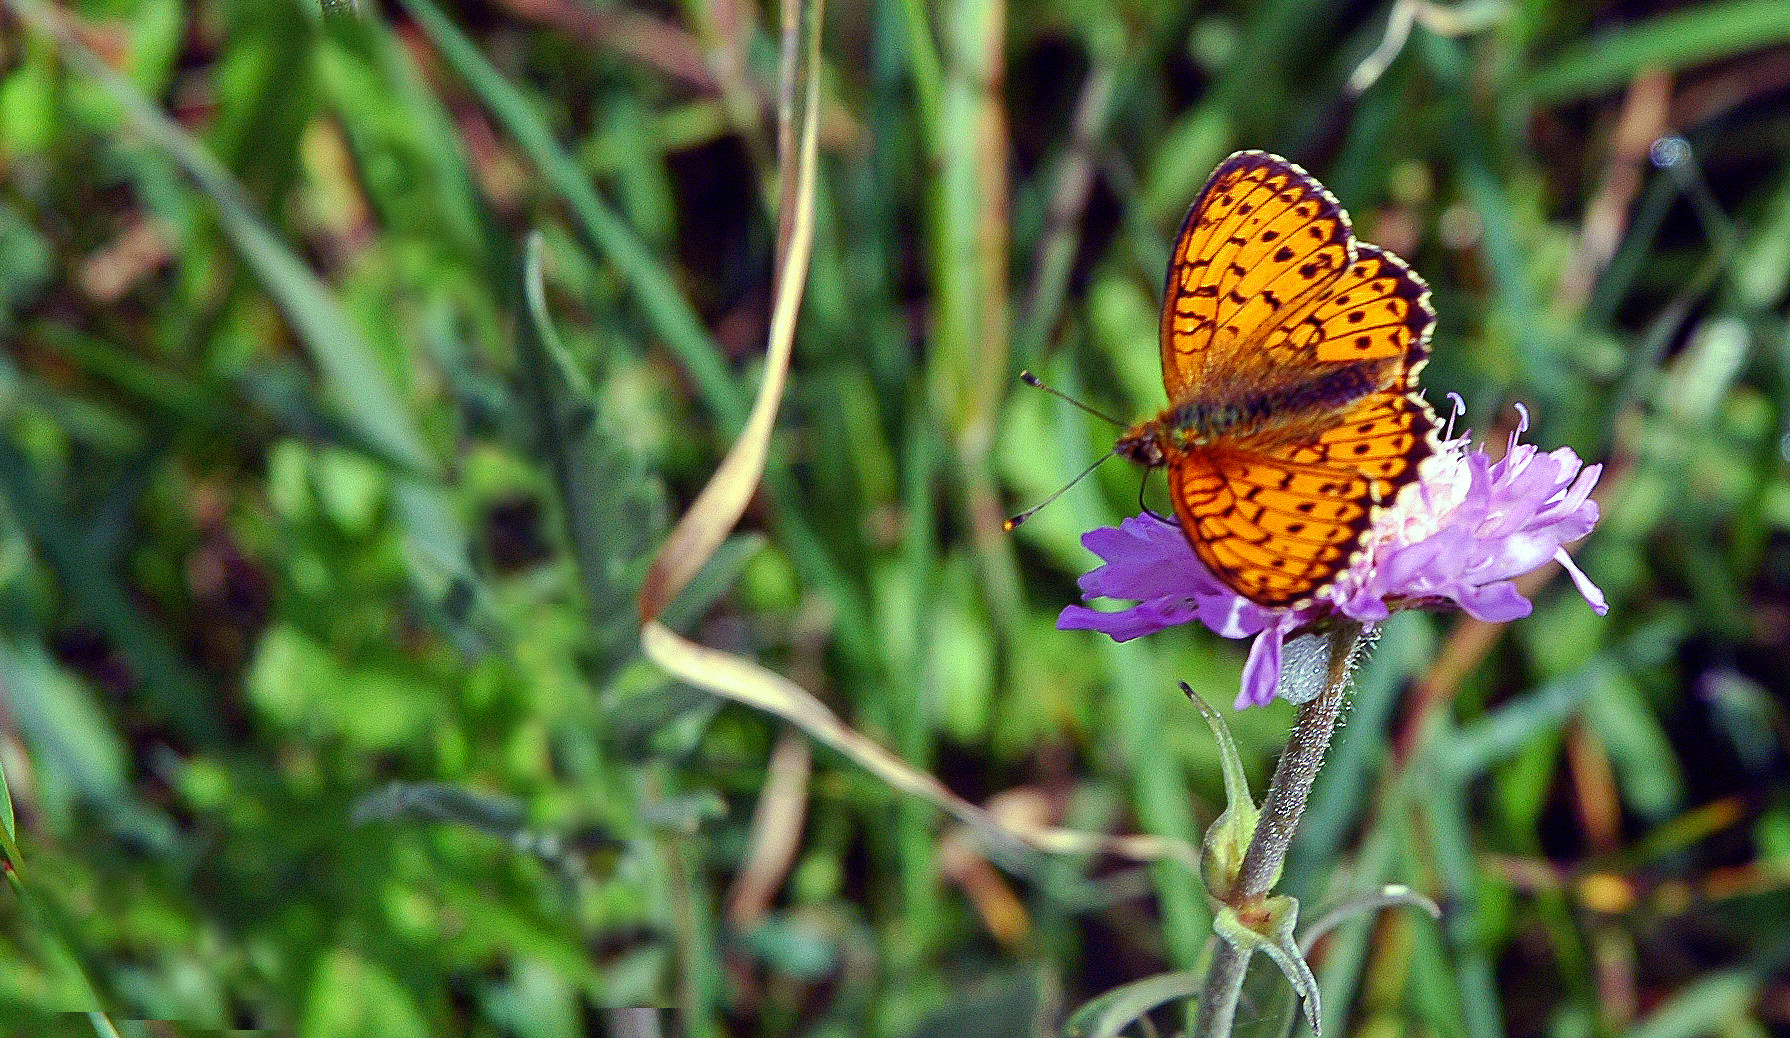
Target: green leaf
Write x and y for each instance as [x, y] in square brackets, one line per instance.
[371, 404]
[351, 997]
[614, 509]
[1693, 36]
[1714, 1004]
[1227, 839]
[77, 753]
[652, 285]
[1109, 1015]
[6, 814]
[26, 260]
[1645, 765]
[1513, 726]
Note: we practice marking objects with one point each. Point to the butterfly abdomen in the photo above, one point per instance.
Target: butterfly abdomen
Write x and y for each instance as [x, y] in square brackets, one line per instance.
[1244, 412]
[1331, 391]
[1262, 413]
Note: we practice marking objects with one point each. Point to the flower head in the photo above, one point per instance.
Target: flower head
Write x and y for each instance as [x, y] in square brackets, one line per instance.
[1458, 535]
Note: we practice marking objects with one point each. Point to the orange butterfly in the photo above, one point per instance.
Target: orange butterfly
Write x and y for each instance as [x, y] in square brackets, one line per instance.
[1290, 352]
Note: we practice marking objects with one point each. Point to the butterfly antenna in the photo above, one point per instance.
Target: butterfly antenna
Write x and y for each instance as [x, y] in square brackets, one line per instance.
[1032, 380]
[1142, 508]
[1014, 522]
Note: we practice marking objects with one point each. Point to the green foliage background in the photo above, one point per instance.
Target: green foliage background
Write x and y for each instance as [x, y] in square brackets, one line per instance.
[324, 711]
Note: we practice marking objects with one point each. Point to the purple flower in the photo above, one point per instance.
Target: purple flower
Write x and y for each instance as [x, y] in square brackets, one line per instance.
[1458, 536]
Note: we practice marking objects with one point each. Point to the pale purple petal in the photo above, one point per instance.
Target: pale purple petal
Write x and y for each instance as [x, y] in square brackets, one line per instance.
[1493, 603]
[1145, 558]
[1122, 625]
[1149, 561]
[1261, 672]
[1593, 594]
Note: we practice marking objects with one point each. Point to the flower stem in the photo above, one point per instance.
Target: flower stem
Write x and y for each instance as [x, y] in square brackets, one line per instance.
[1285, 803]
[1299, 764]
[1220, 990]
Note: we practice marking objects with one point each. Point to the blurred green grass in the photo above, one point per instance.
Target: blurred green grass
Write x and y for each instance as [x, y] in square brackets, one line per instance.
[319, 537]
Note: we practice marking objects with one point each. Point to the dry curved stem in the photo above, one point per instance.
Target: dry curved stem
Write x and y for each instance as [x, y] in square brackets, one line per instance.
[1460, 20]
[775, 835]
[721, 503]
[749, 684]
[718, 508]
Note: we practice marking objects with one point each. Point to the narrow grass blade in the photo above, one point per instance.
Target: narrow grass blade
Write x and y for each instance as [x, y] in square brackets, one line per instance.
[612, 508]
[653, 286]
[1694, 36]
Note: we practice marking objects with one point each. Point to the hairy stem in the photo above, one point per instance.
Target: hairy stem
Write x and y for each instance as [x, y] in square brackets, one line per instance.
[1299, 763]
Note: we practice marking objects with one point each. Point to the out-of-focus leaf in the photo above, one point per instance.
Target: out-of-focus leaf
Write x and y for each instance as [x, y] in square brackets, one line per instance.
[25, 262]
[795, 948]
[1109, 1015]
[77, 753]
[6, 814]
[1444, 803]
[655, 289]
[1514, 725]
[351, 997]
[305, 687]
[613, 508]
[1007, 1006]
[1638, 748]
[501, 817]
[28, 109]
[414, 172]
[370, 401]
[535, 1001]
[1703, 34]
[1709, 1005]
[167, 682]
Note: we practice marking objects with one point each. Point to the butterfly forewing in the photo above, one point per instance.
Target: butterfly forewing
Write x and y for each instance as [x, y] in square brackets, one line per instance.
[1378, 309]
[1260, 242]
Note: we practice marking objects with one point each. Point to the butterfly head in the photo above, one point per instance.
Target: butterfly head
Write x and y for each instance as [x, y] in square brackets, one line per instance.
[1145, 443]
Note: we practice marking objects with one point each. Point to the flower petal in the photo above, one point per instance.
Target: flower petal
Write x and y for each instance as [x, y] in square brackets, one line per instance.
[1261, 672]
[1125, 624]
[1593, 594]
[1493, 603]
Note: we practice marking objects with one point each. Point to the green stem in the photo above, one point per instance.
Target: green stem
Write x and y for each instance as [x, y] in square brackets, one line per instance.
[1299, 764]
[1219, 993]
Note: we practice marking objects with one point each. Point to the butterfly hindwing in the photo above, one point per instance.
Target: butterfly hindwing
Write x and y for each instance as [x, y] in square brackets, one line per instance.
[1271, 529]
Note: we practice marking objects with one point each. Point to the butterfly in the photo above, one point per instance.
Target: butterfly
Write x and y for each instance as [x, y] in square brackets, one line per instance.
[1290, 353]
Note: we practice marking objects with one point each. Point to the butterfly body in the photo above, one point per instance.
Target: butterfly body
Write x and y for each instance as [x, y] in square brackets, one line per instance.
[1271, 414]
[1290, 354]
